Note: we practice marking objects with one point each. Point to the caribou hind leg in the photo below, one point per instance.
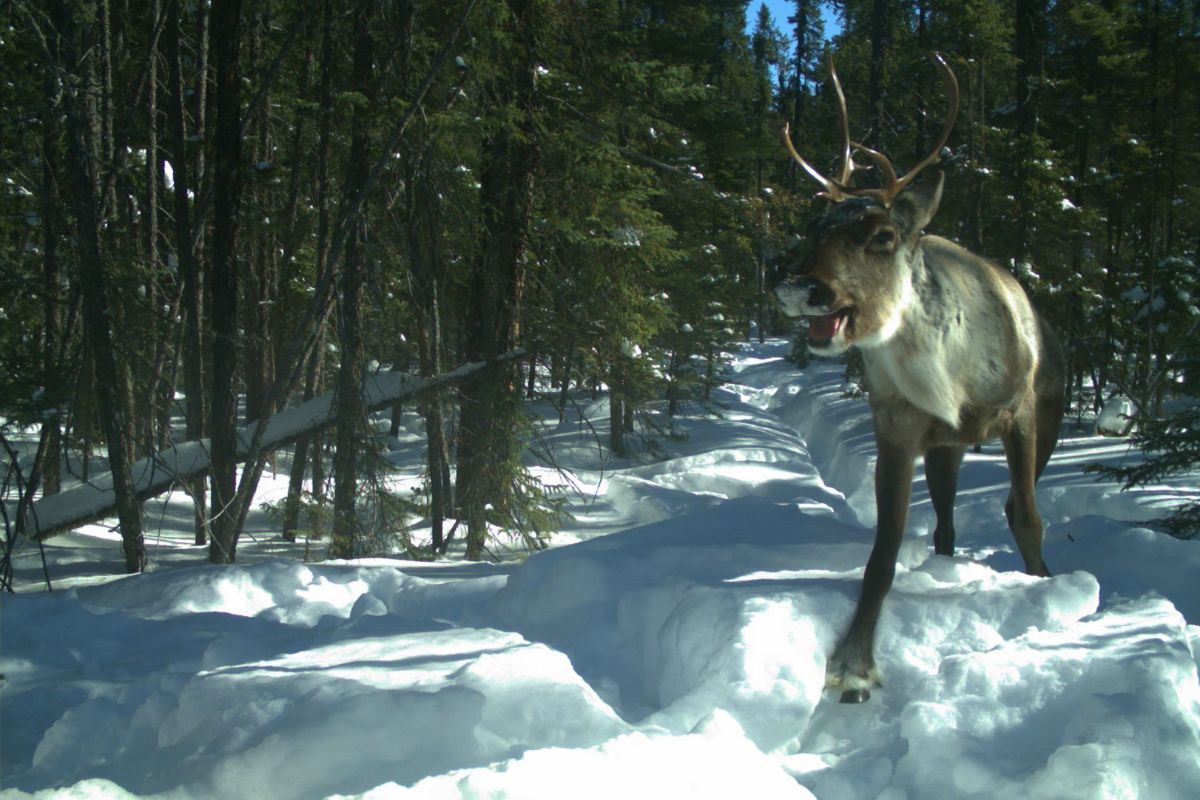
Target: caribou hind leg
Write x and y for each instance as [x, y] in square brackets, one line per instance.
[1021, 450]
[941, 475]
[1028, 444]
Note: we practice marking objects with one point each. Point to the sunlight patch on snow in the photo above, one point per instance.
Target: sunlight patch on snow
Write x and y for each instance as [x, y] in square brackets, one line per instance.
[795, 574]
[712, 763]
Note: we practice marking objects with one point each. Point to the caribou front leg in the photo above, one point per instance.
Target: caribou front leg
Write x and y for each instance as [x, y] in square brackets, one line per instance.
[852, 666]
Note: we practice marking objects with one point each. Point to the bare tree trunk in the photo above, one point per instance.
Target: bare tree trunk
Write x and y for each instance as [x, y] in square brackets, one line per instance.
[923, 47]
[440, 499]
[1030, 51]
[82, 128]
[52, 289]
[308, 448]
[427, 276]
[161, 386]
[200, 114]
[879, 19]
[105, 143]
[422, 214]
[673, 385]
[564, 375]
[616, 421]
[531, 376]
[802, 22]
[497, 286]
[189, 269]
[351, 408]
[258, 283]
[83, 412]
[226, 35]
[975, 147]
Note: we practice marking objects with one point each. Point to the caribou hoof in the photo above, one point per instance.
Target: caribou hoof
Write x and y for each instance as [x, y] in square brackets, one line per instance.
[852, 671]
[855, 696]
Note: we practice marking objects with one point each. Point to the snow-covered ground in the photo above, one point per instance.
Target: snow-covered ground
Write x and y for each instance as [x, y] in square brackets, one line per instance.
[672, 643]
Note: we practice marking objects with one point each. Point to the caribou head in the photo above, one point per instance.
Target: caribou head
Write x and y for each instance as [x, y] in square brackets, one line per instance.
[854, 282]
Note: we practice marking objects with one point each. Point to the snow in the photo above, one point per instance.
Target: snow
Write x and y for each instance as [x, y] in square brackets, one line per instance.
[671, 644]
[1116, 418]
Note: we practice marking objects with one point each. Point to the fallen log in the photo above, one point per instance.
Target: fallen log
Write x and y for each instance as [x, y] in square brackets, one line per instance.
[155, 474]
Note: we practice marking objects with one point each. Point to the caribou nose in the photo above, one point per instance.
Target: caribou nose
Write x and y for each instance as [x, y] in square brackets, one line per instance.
[820, 296]
[804, 296]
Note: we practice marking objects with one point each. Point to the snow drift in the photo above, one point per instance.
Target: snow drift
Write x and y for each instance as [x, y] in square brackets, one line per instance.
[676, 649]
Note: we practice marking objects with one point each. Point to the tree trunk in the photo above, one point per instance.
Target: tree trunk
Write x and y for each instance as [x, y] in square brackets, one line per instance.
[497, 282]
[923, 144]
[438, 458]
[798, 78]
[307, 448]
[105, 146]
[975, 148]
[52, 286]
[531, 376]
[564, 376]
[875, 137]
[162, 383]
[189, 269]
[673, 384]
[351, 409]
[616, 409]
[421, 211]
[439, 473]
[1030, 52]
[226, 38]
[82, 128]
[258, 276]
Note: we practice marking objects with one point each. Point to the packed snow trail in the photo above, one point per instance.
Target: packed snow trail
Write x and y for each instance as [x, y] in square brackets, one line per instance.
[677, 648]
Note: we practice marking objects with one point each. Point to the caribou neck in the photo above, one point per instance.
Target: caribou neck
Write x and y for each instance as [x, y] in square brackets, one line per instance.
[922, 363]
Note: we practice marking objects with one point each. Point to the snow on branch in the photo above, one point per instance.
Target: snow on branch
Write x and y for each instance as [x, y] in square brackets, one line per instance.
[157, 473]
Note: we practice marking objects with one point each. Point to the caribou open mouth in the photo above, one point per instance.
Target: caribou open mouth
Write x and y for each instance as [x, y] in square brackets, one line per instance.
[822, 330]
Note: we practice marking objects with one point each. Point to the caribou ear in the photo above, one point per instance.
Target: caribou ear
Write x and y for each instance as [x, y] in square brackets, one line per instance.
[915, 207]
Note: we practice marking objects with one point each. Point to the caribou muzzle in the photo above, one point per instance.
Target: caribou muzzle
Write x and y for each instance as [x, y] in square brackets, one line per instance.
[808, 298]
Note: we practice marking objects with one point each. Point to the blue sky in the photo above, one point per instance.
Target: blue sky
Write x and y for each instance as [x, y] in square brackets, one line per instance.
[781, 9]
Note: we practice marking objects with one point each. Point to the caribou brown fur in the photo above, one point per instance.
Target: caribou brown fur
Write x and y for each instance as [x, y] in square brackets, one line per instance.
[953, 354]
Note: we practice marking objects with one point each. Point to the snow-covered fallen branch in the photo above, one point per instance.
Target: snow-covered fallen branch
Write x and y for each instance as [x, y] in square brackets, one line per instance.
[155, 474]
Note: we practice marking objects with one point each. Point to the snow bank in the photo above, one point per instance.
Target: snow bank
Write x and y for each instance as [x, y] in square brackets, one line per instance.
[1106, 707]
[715, 762]
[678, 618]
[820, 407]
[1116, 419]
[681, 656]
[996, 684]
[232, 694]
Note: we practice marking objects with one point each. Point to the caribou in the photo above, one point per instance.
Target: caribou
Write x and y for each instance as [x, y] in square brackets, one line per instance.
[953, 354]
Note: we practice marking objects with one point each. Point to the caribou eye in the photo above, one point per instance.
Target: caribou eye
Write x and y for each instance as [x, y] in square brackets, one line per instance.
[883, 238]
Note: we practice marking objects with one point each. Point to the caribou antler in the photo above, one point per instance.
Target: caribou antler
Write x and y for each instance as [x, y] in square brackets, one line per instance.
[839, 189]
[836, 189]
